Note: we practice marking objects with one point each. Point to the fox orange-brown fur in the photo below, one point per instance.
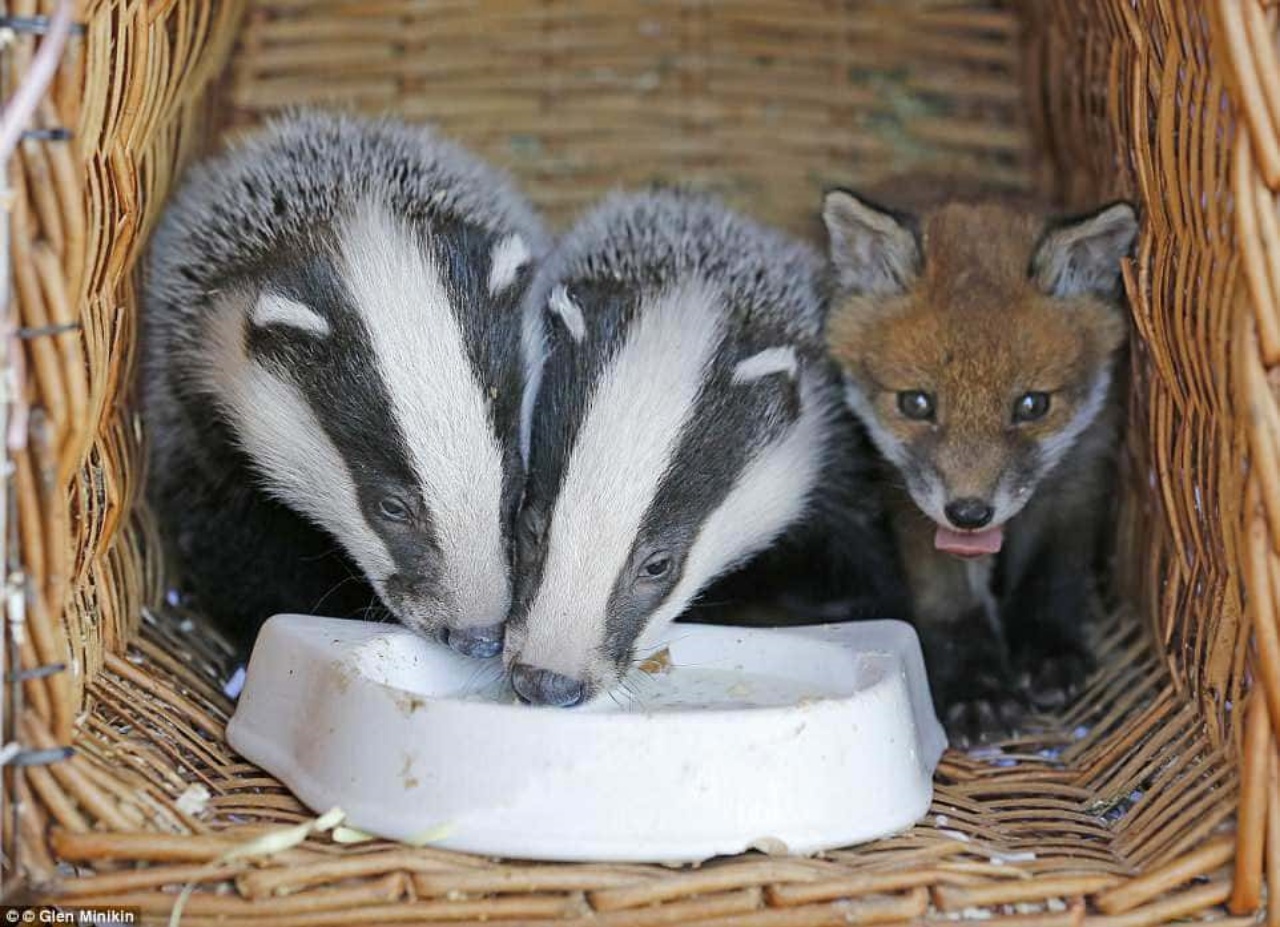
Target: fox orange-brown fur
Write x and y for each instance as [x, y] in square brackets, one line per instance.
[980, 343]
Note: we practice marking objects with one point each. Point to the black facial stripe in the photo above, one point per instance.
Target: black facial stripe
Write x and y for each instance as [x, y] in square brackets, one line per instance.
[338, 376]
[730, 424]
[490, 326]
[569, 378]
[572, 370]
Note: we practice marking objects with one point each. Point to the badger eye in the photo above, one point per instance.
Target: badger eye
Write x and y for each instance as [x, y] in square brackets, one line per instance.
[916, 405]
[1031, 406]
[393, 509]
[656, 567]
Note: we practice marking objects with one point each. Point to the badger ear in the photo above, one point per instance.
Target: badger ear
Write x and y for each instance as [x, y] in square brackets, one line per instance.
[772, 375]
[562, 305]
[776, 361]
[1081, 256]
[508, 257]
[873, 250]
[274, 309]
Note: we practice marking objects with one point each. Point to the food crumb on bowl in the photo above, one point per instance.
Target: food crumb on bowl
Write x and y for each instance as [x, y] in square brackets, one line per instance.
[657, 663]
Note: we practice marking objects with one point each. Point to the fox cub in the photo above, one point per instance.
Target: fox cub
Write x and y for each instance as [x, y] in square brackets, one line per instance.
[980, 343]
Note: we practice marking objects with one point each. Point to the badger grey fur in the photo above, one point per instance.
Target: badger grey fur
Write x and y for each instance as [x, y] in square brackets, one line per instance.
[681, 418]
[332, 376]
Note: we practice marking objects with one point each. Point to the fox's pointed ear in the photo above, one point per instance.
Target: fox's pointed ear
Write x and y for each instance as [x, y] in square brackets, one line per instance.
[872, 250]
[1082, 256]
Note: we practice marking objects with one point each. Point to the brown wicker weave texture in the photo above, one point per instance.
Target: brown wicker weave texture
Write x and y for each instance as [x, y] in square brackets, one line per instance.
[1117, 812]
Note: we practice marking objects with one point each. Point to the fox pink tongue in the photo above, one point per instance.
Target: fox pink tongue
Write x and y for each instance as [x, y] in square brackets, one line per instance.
[969, 543]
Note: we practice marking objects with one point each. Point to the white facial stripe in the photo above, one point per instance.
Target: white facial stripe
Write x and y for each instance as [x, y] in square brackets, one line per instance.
[629, 434]
[1055, 447]
[767, 497]
[509, 255]
[274, 309]
[569, 313]
[768, 362]
[278, 429]
[440, 405]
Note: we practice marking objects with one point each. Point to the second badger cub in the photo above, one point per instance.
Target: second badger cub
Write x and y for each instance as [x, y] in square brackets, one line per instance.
[686, 420]
[979, 343]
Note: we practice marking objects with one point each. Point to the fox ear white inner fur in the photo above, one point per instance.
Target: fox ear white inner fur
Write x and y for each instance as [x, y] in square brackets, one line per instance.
[1084, 255]
[766, 363]
[872, 252]
[274, 309]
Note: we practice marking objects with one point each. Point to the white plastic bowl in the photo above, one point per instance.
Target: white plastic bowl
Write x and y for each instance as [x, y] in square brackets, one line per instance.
[789, 740]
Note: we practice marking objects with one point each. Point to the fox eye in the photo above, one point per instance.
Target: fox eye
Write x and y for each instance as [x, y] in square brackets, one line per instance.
[656, 567]
[1031, 406]
[916, 405]
[392, 509]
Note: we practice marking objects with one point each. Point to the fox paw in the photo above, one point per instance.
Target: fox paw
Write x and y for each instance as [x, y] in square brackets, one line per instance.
[983, 720]
[1052, 681]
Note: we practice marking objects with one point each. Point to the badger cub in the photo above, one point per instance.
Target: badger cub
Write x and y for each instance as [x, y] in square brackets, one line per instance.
[979, 343]
[332, 377]
[684, 418]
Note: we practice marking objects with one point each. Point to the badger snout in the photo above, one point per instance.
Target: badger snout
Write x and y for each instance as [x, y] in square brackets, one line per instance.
[543, 687]
[480, 642]
[469, 621]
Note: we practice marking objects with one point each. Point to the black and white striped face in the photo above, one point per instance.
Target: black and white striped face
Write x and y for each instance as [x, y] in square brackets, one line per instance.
[666, 444]
[373, 380]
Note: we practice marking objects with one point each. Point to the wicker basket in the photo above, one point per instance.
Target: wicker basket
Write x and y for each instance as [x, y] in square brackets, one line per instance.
[1154, 797]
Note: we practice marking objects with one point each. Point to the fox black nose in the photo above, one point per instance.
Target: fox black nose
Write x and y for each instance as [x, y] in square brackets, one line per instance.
[476, 642]
[969, 514]
[543, 687]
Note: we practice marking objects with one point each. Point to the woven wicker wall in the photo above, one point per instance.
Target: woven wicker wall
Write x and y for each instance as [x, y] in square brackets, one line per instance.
[1133, 103]
[766, 103]
[129, 91]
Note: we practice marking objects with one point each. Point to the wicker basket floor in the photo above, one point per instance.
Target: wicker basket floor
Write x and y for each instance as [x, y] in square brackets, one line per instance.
[1075, 806]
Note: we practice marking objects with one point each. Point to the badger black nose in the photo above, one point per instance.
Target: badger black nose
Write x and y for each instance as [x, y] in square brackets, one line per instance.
[476, 642]
[543, 687]
[969, 514]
